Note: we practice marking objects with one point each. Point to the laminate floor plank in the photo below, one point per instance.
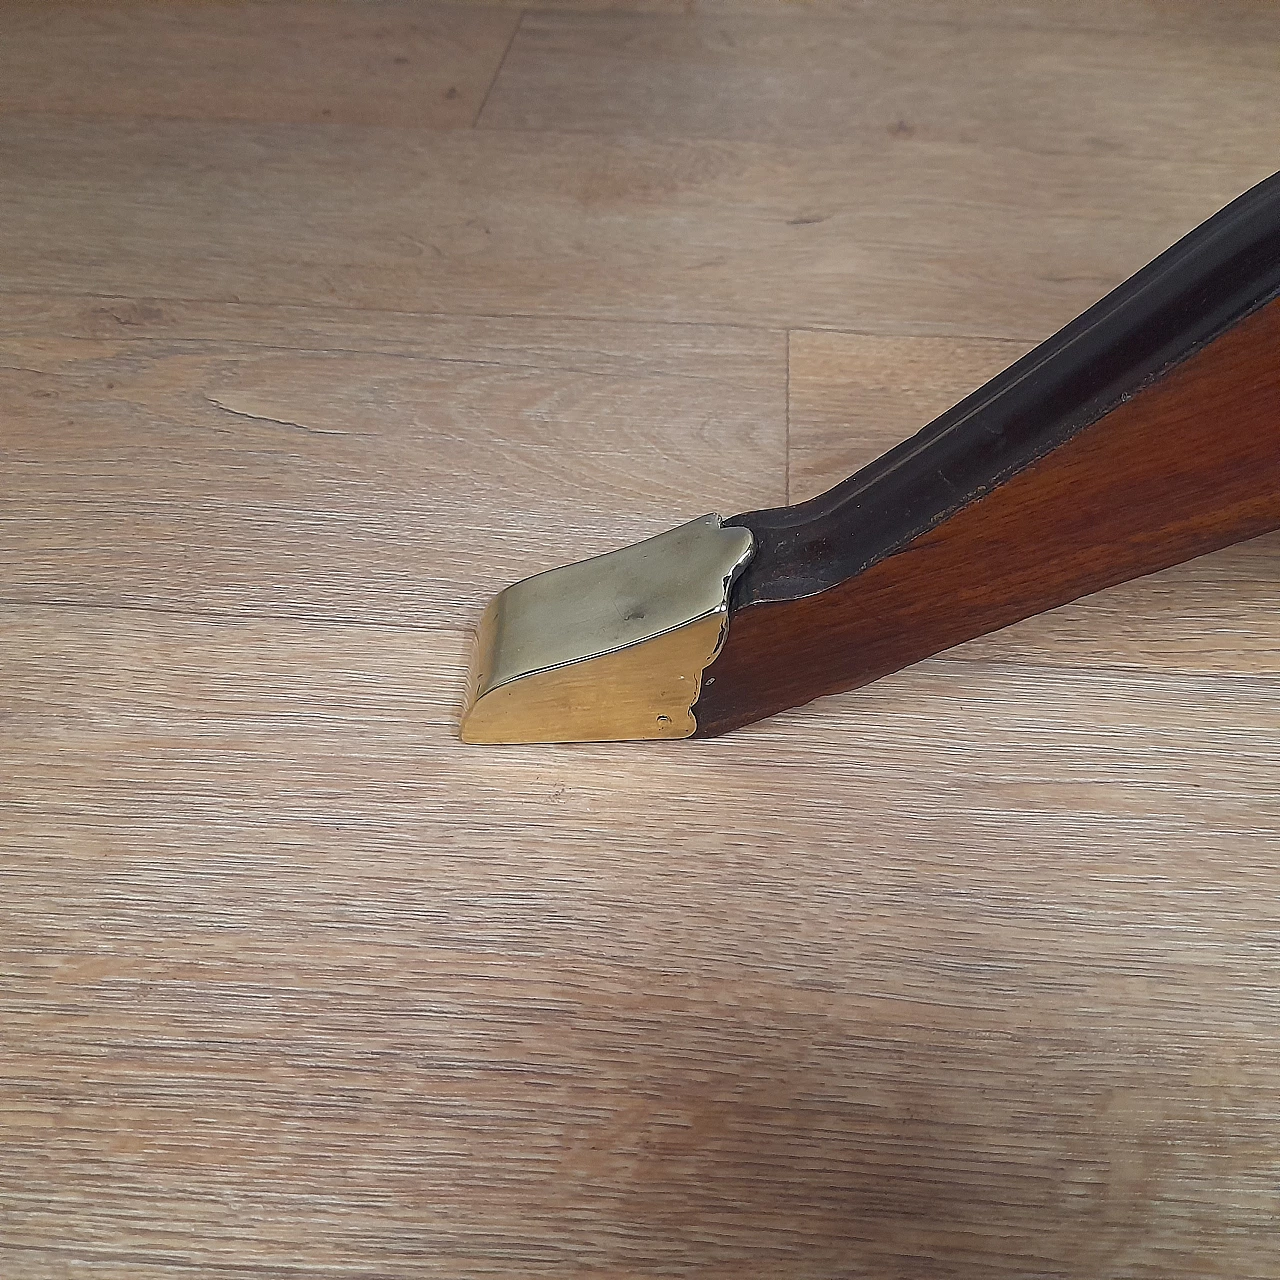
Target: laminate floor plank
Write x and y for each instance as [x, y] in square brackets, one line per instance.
[891, 237]
[384, 62]
[341, 464]
[296, 984]
[967, 974]
[1101, 18]
[796, 77]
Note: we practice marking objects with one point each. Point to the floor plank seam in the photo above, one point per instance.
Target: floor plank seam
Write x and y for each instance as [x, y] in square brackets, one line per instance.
[900, 333]
[545, 317]
[502, 62]
[214, 615]
[337, 308]
[944, 659]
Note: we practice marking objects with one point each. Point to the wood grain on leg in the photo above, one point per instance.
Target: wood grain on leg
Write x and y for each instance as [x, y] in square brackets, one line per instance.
[853, 396]
[1143, 434]
[1185, 467]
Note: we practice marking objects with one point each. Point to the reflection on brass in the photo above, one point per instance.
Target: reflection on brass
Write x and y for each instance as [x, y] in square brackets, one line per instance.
[608, 649]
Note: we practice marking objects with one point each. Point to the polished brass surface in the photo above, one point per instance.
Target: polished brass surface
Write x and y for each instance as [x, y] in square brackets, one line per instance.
[608, 649]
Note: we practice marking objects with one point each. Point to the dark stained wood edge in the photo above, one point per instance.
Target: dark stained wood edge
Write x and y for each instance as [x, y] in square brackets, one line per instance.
[1144, 433]
[1207, 282]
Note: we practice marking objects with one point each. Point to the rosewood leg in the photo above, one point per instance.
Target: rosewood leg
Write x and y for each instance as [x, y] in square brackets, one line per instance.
[1145, 433]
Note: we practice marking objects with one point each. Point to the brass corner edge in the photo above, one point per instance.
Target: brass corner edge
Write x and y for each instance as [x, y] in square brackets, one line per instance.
[609, 649]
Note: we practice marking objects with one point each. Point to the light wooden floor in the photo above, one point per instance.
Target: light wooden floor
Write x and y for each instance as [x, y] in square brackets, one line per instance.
[321, 321]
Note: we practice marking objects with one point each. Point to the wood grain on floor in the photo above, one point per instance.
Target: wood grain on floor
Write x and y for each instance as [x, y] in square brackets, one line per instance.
[907, 236]
[968, 974]
[321, 462]
[702, 76]
[391, 62]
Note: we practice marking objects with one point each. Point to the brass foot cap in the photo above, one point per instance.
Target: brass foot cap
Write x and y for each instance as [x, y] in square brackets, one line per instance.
[609, 649]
